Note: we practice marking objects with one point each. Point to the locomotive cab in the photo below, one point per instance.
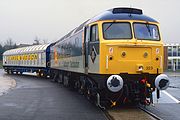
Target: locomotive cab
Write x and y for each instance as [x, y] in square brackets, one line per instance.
[130, 49]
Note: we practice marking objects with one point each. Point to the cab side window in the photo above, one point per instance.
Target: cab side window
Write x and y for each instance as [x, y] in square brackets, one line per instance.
[94, 33]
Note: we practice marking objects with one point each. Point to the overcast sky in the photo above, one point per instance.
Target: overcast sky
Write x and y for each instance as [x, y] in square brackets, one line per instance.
[23, 20]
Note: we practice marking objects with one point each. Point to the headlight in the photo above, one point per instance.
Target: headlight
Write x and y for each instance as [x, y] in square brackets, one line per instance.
[114, 83]
[162, 82]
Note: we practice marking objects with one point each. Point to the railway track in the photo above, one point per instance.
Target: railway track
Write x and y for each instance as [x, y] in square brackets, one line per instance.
[150, 113]
[130, 113]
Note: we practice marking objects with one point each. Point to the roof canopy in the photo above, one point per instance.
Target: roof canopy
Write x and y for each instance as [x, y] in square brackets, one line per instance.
[29, 49]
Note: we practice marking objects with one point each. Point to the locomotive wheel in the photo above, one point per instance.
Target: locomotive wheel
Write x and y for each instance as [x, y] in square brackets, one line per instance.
[41, 74]
[55, 76]
[51, 75]
[60, 79]
[38, 74]
[11, 72]
[89, 94]
[8, 72]
[66, 81]
[80, 87]
[77, 85]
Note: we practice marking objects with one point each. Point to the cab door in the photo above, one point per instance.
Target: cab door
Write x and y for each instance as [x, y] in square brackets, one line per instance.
[85, 51]
[93, 57]
[91, 49]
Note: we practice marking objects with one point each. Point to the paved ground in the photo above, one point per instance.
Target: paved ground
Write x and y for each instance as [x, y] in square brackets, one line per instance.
[40, 99]
[172, 94]
[175, 82]
[35, 98]
[6, 84]
[168, 107]
[173, 74]
[168, 111]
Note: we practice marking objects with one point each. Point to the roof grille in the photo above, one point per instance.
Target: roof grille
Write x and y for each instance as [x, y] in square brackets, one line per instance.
[127, 10]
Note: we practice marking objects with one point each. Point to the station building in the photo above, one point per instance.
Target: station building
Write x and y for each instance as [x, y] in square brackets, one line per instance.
[172, 57]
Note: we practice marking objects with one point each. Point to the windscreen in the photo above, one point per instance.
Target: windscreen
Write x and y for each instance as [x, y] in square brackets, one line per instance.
[145, 31]
[117, 30]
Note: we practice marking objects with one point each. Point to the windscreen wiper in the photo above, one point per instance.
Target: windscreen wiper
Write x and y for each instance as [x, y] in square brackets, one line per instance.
[108, 26]
[147, 26]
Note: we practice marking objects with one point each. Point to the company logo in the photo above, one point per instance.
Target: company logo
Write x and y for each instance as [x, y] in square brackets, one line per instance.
[93, 54]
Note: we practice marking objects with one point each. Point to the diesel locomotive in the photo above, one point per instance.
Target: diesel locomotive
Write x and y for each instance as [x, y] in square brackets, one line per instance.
[114, 57]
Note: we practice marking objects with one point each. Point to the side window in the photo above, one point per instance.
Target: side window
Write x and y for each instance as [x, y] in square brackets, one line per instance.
[94, 33]
[40, 59]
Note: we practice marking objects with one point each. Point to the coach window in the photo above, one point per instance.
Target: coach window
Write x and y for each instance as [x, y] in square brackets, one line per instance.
[30, 60]
[42, 58]
[25, 60]
[94, 33]
[39, 59]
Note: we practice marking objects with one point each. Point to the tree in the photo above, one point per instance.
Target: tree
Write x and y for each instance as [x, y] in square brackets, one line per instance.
[37, 41]
[45, 41]
[1, 52]
[9, 44]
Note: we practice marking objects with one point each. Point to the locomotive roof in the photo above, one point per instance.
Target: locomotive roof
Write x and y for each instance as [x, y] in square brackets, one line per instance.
[122, 14]
[114, 14]
[29, 49]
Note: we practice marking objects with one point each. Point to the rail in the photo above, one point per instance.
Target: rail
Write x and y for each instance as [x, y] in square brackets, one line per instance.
[130, 113]
[150, 113]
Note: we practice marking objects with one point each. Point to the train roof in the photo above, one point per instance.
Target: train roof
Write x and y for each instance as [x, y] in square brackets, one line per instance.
[29, 49]
[122, 14]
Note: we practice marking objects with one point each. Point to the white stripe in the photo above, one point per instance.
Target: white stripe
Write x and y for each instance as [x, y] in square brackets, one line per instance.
[161, 64]
[173, 98]
[107, 62]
